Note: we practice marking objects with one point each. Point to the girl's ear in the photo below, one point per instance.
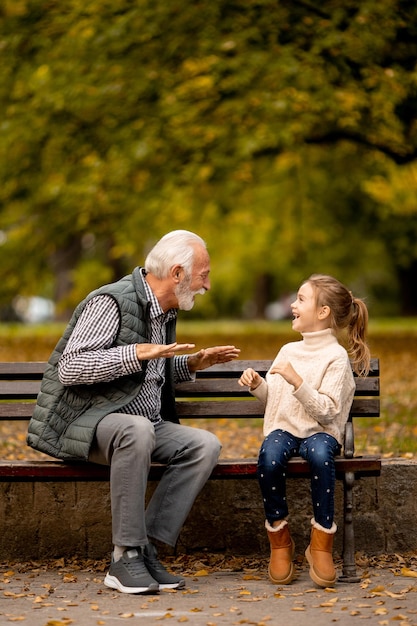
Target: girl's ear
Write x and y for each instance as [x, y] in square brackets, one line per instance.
[324, 312]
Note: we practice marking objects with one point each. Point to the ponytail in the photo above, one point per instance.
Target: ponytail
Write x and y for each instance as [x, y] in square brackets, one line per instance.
[357, 331]
[348, 312]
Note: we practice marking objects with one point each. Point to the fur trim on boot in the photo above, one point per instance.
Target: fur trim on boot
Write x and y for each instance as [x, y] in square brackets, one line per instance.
[281, 567]
[319, 555]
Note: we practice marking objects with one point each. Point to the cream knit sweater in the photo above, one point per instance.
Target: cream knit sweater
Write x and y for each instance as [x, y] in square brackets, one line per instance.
[323, 400]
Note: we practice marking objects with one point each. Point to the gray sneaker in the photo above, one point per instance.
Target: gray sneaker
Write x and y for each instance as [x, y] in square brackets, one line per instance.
[130, 575]
[158, 571]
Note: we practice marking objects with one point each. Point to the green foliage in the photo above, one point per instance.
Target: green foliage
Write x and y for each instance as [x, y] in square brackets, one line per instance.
[260, 125]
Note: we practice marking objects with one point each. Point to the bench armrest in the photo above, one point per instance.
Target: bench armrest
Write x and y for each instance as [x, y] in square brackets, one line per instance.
[349, 446]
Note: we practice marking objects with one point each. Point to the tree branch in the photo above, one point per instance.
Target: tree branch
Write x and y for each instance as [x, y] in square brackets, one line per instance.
[333, 137]
[399, 157]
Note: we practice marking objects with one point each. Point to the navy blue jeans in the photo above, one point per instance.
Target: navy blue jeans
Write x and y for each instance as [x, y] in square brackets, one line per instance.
[319, 450]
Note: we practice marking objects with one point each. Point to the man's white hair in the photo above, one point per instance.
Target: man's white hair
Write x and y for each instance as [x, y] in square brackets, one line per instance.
[174, 248]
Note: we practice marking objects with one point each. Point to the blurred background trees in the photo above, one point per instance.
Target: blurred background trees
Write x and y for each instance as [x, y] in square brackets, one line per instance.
[284, 133]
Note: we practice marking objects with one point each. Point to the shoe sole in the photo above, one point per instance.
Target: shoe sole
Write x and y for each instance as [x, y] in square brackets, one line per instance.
[114, 583]
[179, 585]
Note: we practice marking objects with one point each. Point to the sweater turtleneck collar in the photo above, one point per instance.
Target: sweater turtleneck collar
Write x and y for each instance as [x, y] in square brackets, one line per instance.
[319, 338]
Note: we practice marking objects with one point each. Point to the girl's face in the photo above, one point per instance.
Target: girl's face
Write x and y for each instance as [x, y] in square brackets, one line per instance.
[307, 316]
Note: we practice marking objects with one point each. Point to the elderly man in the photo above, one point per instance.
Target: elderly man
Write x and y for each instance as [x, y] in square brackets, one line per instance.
[107, 397]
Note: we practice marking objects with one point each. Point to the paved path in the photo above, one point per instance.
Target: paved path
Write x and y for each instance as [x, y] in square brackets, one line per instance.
[61, 596]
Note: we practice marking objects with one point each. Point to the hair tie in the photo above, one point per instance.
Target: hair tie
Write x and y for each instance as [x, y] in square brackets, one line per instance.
[351, 295]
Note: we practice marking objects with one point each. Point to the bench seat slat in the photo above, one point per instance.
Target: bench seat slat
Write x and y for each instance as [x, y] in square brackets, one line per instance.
[227, 468]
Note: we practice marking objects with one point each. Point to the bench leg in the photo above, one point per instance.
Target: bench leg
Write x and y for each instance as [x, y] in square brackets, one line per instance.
[349, 566]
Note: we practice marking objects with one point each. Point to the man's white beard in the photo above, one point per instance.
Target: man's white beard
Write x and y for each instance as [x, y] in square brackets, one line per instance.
[185, 296]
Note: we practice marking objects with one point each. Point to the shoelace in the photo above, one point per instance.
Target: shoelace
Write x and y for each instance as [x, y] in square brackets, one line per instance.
[136, 565]
[155, 563]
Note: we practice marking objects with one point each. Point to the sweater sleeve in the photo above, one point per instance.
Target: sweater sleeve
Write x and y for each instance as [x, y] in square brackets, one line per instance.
[261, 392]
[334, 396]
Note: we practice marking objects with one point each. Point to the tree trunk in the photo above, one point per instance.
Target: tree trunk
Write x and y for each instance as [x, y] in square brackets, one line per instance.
[407, 281]
[63, 262]
[263, 294]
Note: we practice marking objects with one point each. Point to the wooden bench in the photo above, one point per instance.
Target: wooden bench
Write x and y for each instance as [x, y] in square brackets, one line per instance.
[215, 394]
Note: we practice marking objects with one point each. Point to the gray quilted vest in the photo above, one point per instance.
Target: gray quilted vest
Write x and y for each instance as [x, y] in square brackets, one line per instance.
[65, 418]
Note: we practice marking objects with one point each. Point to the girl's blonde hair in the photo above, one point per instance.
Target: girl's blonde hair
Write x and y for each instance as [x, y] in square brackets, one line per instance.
[348, 312]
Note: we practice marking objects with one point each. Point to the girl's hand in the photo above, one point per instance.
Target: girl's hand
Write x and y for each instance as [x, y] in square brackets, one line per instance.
[286, 370]
[250, 379]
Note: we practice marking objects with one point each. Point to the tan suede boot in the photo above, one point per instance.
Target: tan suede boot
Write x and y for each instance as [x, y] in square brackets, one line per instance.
[319, 555]
[281, 567]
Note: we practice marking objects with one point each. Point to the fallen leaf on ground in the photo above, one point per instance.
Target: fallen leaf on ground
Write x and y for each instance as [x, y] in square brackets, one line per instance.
[406, 571]
[201, 572]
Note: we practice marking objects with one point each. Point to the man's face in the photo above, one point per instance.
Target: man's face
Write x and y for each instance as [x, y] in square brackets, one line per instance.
[196, 283]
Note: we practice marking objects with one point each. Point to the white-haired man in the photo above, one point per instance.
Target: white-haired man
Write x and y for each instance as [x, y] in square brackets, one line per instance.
[107, 397]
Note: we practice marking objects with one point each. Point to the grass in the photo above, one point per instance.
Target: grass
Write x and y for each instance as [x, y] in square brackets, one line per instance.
[393, 341]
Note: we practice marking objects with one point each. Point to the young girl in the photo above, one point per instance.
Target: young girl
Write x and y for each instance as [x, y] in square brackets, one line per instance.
[308, 393]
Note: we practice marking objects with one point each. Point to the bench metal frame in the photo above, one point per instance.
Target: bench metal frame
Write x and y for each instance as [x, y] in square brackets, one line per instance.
[215, 394]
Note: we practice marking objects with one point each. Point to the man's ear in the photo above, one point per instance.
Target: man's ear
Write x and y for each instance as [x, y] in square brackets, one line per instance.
[176, 272]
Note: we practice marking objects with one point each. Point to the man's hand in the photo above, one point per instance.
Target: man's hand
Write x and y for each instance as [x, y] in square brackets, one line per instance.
[146, 351]
[211, 356]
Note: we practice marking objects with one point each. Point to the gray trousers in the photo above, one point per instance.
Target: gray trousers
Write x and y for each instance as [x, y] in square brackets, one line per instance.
[129, 443]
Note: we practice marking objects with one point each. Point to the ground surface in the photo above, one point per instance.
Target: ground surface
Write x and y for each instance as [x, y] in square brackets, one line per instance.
[220, 590]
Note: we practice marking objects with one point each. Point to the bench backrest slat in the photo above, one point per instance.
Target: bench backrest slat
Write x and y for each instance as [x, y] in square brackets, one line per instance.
[216, 392]
[19, 390]
[16, 411]
[219, 409]
[21, 370]
[230, 387]
[235, 368]
[25, 389]
[33, 370]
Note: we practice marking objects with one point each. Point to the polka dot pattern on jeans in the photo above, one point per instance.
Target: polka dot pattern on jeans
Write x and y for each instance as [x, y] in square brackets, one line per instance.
[319, 450]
